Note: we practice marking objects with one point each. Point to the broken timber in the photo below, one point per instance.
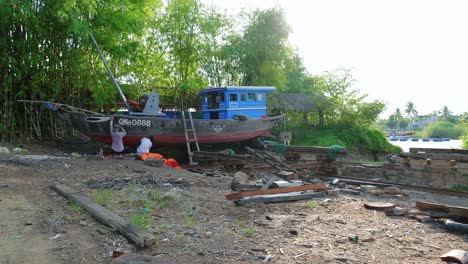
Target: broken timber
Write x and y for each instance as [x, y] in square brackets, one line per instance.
[276, 163]
[129, 230]
[282, 197]
[236, 196]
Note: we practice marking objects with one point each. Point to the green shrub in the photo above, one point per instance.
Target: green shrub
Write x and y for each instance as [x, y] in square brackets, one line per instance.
[353, 138]
[142, 220]
[442, 129]
[103, 197]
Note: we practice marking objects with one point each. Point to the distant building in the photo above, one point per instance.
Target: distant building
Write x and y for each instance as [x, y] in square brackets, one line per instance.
[421, 124]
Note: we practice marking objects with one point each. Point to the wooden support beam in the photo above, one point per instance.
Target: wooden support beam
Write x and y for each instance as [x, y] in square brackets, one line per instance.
[236, 196]
[104, 215]
[439, 151]
[283, 197]
[456, 157]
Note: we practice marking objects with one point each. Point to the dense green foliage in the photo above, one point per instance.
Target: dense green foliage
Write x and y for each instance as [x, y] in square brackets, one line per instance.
[442, 129]
[354, 138]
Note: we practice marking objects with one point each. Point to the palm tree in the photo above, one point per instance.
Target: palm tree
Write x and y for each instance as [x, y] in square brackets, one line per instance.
[445, 113]
[398, 117]
[411, 111]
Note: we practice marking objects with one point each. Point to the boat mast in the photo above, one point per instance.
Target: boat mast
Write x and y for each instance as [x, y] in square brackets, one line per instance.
[110, 73]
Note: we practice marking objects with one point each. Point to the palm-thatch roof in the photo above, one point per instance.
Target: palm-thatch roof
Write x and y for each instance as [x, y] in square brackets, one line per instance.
[296, 102]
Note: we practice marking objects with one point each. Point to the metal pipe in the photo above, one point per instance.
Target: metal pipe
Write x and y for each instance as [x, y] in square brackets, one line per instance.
[110, 73]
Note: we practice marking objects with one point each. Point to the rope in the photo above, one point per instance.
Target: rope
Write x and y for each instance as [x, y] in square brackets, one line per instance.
[333, 150]
[280, 149]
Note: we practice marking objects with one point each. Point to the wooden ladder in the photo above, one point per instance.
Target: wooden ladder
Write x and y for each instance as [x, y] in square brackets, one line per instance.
[190, 136]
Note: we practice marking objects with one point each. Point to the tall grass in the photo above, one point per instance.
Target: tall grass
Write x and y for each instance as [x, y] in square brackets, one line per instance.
[353, 138]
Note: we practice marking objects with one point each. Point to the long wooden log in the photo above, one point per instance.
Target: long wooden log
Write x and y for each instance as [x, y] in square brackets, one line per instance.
[236, 196]
[283, 197]
[460, 227]
[129, 230]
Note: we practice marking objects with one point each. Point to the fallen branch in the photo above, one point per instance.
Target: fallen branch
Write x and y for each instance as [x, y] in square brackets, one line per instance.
[129, 230]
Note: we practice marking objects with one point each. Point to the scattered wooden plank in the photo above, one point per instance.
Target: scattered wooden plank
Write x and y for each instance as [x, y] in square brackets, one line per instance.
[453, 211]
[293, 183]
[456, 256]
[129, 230]
[439, 151]
[433, 214]
[378, 205]
[282, 197]
[239, 195]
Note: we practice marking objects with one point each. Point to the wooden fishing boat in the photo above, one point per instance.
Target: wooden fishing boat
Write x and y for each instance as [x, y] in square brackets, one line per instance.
[230, 119]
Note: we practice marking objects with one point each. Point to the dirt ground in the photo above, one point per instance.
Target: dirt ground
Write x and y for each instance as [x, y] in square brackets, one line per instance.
[193, 221]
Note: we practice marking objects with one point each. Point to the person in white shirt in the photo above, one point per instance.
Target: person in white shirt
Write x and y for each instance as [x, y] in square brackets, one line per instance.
[117, 133]
[145, 146]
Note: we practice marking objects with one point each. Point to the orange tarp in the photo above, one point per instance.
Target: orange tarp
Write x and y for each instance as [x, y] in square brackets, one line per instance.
[169, 162]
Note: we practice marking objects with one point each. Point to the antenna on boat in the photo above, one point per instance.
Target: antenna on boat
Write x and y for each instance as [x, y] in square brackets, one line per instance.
[110, 73]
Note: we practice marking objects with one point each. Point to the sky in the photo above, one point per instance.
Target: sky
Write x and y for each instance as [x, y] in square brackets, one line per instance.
[398, 50]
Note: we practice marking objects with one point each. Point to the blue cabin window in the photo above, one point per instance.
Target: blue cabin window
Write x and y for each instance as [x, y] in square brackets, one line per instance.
[260, 96]
[251, 96]
[243, 97]
[233, 97]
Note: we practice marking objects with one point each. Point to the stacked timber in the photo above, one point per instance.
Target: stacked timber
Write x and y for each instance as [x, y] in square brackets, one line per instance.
[442, 161]
[293, 152]
[225, 157]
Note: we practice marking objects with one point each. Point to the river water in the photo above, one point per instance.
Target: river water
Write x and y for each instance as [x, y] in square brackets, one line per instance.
[406, 145]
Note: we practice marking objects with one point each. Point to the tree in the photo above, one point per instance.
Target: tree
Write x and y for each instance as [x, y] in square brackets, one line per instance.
[344, 105]
[411, 112]
[398, 117]
[265, 49]
[445, 113]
